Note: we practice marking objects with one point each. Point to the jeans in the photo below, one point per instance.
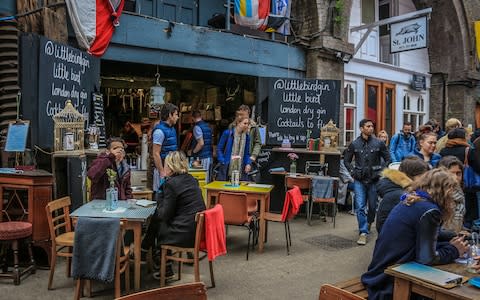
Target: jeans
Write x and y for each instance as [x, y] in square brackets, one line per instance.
[365, 192]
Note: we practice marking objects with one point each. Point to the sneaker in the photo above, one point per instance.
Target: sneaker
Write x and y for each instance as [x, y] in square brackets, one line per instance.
[169, 274]
[362, 239]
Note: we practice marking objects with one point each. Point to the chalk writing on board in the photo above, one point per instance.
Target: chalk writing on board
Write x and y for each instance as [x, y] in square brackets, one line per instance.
[298, 105]
[17, 137]
[99, 118]
[66, 73]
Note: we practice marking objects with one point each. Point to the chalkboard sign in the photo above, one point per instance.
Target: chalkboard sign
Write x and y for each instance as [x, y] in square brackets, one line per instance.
[63, 73]
[17, 136]
[298, 105]
[98, 118]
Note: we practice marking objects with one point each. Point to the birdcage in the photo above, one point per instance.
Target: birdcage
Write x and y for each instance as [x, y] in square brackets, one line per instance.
[329, 136]
[68, 130]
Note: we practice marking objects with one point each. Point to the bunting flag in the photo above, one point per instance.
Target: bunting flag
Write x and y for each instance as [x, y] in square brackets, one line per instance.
[280, 20]
[94, 22]
[477, 38]
[252, 13]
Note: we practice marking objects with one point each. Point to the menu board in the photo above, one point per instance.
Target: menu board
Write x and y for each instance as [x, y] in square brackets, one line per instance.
[98, 118]
[17, 136]
[298, 105]
[63, 73]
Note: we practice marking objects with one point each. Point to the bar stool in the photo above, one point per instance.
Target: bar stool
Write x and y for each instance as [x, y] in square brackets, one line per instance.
[12, 232]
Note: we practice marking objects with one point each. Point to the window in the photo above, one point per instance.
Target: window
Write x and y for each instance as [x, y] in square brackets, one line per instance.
[350, 102]
[414, 109]
[368, 11]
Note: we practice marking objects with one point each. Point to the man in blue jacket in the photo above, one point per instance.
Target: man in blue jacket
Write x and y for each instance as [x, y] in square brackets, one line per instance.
[164, 139]
[201, 147]
[403, 143]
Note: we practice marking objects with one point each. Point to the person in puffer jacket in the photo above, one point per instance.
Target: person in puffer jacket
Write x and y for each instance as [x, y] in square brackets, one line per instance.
[394, 183]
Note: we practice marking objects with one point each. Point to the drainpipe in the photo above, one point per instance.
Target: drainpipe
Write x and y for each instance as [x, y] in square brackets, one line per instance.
[227, 16]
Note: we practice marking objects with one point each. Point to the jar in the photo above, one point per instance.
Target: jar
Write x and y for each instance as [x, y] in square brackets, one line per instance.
[293, 167]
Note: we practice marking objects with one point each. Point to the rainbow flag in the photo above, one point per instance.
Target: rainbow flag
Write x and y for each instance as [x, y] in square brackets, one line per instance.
[252, 13]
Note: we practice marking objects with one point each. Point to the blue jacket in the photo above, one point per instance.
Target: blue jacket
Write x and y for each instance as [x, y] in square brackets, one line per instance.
[170, 141]
[401, 147]
[206, 150]
[225, 145]
[433, 160]
[410, 233]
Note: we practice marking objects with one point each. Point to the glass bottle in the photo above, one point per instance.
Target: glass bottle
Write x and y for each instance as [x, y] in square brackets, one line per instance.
[293, 167]
[112, 197]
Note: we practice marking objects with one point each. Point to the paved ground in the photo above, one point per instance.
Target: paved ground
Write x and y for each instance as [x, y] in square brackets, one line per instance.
[320, 254]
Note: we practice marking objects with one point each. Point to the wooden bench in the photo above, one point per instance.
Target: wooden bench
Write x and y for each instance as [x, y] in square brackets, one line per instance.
[354, 286]
[352, 289]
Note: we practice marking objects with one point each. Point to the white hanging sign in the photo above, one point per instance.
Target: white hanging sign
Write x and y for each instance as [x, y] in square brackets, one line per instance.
[408, 35]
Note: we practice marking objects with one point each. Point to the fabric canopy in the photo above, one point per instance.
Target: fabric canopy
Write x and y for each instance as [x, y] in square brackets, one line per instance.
[94, 22]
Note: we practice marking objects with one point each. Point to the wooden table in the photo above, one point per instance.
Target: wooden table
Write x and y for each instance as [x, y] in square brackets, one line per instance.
[261, 194]
[405, 284]
[133, 219]
[27, 192]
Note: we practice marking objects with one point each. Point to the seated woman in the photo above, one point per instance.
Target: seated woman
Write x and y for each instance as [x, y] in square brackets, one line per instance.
[175, 216]
[393, 184]
[233, 151]
[453, 165]
[113, 158]
[411, 230]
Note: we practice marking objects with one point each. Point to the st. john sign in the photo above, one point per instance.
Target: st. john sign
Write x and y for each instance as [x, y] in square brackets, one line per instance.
[408, 35]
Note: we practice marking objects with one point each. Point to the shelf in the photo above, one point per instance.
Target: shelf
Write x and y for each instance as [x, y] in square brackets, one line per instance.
[305, 151]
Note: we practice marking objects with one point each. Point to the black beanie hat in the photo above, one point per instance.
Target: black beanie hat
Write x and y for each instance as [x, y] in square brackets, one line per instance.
[457, 133]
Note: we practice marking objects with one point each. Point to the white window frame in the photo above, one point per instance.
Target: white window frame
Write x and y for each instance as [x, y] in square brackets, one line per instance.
[414, 105]
[349, 103]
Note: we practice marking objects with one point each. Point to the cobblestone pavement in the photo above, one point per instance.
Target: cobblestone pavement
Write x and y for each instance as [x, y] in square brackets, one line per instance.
[320, 254]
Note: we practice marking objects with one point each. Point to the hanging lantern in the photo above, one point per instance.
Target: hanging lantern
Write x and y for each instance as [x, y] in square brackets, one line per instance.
[157, 96]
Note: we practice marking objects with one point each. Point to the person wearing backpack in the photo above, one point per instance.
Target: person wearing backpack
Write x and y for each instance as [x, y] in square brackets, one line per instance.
[403, 143]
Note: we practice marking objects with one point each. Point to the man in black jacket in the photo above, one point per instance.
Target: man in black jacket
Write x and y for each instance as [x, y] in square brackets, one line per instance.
[367, 152]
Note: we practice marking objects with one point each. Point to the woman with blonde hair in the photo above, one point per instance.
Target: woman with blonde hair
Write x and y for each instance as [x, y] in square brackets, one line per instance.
[383, 136]
[176, 210]
[411, 232]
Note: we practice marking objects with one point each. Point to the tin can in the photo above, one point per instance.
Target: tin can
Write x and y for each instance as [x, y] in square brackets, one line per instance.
[235, 178]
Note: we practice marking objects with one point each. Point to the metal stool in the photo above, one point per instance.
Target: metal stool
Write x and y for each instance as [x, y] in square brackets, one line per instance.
[12, 232]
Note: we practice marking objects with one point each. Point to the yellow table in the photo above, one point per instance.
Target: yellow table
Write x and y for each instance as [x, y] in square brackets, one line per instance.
[201, 176]
[261, 194]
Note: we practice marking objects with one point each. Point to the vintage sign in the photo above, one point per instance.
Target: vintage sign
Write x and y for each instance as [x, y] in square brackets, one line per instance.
[419, 82]
[408, 35]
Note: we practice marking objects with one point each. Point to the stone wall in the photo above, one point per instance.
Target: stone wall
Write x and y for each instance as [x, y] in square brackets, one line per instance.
[453, 59]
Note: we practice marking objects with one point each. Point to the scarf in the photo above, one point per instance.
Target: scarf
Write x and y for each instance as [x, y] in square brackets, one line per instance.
[238, 148]
[456, 142]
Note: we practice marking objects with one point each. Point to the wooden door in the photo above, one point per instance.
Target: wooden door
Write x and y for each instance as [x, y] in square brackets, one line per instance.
[380, 105]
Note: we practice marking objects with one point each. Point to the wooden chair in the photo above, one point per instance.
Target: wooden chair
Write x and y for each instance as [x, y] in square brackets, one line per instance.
[235, 211]
[61, 234]
[305, 185]
[122, 266]
[354, 286]
[286, 215]
[177, 254]
[330, 292]
[326, 201]
[189, 291]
